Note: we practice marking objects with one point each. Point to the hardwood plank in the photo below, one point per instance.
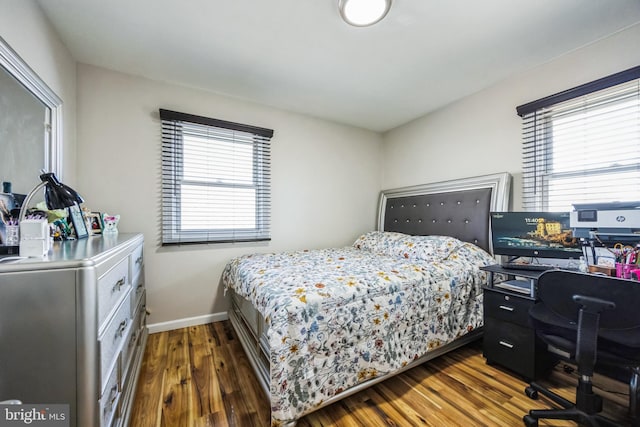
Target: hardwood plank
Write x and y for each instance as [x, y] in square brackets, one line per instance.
[240, 410]
[396, 415]
[148, 404]
[177, 397]
[403, 402]
[360, 408]
[339, 416]
[430, 389]
[200, 376]
[207, 399]
[489, 397]
[253, 395]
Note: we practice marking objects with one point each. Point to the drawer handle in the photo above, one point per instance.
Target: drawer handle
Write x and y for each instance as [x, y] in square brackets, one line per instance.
[133, 339]
[506, 344]
[139, 260]
[121, 328]
[506, 307]
[113, 393]
[118, 285]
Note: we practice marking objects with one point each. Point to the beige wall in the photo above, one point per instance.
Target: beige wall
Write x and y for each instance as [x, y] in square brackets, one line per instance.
[481, 134]
[24, 27]
[325, 181]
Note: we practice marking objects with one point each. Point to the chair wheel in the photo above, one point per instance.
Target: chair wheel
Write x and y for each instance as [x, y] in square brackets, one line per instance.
[531, 394]
[529, 421]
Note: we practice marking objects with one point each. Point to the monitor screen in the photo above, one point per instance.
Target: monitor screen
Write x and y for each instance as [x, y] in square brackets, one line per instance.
[534, 234]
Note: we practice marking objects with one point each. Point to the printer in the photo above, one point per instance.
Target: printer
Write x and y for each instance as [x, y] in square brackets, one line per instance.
[607, 221]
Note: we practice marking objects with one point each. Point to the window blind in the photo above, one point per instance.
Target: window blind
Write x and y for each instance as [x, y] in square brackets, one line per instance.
[215, 180]
[583, 145]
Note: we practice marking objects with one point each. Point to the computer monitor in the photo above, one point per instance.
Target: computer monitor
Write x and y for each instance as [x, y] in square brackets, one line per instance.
[534, 234]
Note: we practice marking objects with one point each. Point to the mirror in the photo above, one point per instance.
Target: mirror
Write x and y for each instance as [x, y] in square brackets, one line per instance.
[30, 124]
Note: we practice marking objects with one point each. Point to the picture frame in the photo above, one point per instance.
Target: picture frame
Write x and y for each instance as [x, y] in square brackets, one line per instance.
[78, 221]
[94, 223]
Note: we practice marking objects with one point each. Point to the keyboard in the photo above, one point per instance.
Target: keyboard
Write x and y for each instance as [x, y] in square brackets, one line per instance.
[529, 267]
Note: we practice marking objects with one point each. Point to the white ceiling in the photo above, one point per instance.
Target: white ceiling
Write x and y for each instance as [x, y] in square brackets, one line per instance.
[300, 56]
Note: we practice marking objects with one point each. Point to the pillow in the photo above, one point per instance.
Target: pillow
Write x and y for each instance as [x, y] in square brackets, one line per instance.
[418, 248]
[385, 242]
[432, 248]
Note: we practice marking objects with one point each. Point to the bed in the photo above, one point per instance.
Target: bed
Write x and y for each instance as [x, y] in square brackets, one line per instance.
[320, 325]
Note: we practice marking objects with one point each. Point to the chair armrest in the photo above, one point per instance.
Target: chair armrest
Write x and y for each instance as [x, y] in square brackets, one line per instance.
[593, 305]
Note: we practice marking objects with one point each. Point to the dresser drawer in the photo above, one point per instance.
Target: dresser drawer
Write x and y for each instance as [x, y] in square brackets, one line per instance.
[112, 286]
[112, 339]
[141, 311]
[109, 399]
[137, 262]
[507, 307]
[131, 341]
[137, 292]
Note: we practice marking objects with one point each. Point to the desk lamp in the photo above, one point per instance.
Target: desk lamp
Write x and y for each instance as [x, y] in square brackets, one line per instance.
[34, 237]
[56, 196]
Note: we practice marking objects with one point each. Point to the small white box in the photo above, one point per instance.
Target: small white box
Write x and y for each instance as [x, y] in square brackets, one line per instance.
[34, 229]
[31, 248]
[34, 238]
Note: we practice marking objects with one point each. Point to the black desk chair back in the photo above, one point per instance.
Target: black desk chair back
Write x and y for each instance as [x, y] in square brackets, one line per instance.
[587, 318]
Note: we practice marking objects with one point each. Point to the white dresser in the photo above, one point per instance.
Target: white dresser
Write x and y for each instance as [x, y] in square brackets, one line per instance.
[73, 328]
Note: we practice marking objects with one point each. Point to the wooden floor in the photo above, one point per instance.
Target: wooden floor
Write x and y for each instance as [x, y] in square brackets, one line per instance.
[199, 376]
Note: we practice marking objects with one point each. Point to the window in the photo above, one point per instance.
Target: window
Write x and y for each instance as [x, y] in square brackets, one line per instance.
[215, 180]
[583, 145]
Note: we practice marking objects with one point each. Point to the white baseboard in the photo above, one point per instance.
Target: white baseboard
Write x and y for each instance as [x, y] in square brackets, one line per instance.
[189, 321]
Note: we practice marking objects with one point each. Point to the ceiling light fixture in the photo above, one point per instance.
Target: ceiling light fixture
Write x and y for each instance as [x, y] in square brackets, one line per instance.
[362, 13]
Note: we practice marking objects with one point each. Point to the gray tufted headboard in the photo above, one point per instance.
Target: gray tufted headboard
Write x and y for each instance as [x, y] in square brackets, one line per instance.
[458, 208]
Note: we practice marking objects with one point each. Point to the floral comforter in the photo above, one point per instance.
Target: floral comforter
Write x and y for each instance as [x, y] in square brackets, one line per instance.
[340, 317]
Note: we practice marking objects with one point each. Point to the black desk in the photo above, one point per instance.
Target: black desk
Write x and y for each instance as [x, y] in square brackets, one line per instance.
[526, 277]
[508, 339]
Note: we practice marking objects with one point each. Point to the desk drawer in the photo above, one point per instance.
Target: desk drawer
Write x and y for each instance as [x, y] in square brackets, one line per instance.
[507, 307]
[112, 287]
[510, 345]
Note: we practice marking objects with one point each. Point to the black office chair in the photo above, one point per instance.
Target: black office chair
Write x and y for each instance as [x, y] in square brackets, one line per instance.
[587, 319]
